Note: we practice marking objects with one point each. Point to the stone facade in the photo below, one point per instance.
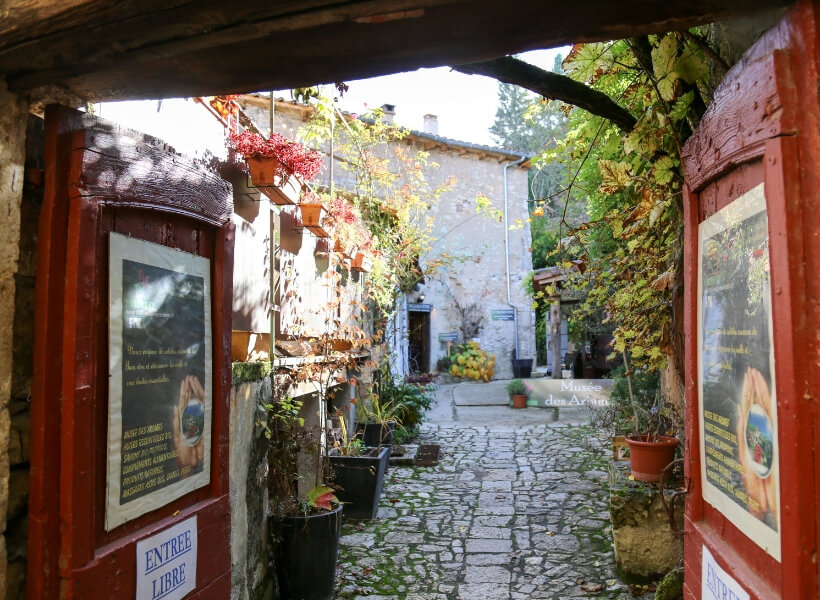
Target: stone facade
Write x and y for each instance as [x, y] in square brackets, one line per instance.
[645, 545]
[475, 283]
[16, 269]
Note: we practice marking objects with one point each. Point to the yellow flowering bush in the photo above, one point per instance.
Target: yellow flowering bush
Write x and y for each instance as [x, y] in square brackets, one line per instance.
[469, 360]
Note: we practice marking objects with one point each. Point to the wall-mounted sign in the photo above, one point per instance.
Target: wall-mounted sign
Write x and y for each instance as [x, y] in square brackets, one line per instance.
[569, 392]
[717, 584]
[503, 314]
[159, 409]
[419, 307]
[448, 337]
[166, 563]
[736, 379]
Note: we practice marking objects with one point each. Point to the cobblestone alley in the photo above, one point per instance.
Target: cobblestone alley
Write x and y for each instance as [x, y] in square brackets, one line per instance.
[516, 508]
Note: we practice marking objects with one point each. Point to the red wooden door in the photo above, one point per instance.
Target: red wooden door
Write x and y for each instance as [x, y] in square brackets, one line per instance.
[102, 181]
[752, 508]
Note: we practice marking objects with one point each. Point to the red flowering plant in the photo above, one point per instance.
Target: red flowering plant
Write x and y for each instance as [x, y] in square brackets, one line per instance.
[292, 155]
[349, 233]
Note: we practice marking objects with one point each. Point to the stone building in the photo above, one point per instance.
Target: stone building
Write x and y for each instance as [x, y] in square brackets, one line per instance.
[479, 295]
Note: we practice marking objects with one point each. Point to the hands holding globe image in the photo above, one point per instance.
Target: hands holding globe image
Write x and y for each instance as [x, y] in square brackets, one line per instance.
[189, 425]
[756, 446]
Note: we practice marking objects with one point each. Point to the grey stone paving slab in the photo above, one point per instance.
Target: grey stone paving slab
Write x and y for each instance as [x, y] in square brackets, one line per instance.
[517, 508]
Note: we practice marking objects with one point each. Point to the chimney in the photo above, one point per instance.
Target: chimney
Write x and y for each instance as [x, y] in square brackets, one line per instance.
[431, 124]
[389, 111]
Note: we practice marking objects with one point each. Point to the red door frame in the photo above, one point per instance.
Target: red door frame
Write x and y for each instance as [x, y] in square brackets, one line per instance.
[763, 126]
[70, 553]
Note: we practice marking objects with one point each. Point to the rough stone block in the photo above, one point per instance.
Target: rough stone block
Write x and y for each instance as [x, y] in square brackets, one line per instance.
[17, 493]
[18, 440]
[487, 575]
[644, 543]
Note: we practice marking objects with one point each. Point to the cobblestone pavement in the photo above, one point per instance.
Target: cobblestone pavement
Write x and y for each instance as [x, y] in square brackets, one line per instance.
[517, 508]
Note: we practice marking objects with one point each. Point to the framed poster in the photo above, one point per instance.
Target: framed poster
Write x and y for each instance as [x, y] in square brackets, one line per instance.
[736, 378]
[160, 380]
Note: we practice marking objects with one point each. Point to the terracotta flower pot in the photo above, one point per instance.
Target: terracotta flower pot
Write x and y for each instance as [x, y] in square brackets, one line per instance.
[649, 454]
[519, 401]
[361, 262]
[312, 217]
[274, 180]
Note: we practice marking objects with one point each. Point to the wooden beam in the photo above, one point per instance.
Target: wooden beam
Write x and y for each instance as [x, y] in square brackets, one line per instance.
[165, 48]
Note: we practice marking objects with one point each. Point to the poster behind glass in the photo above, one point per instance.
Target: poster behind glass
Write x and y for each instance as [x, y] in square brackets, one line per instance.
[159, 417]
[738, 409]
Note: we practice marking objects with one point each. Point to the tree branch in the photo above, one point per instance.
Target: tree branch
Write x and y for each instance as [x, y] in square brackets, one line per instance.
[552, 86]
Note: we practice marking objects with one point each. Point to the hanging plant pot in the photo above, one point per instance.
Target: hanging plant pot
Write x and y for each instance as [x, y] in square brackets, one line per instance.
[272, 177]
[649, 454]
[347, 252]
[340, 345]
[313, 216]
[362, 262]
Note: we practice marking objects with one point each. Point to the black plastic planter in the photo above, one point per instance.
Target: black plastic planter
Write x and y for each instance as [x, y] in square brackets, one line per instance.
[522, 367]
[306, 560]
[359, 480]
[377, 434]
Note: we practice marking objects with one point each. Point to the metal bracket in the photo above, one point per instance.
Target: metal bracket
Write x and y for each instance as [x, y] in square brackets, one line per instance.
[670, 507]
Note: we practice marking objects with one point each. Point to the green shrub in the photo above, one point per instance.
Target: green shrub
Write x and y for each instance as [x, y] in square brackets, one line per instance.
[517, 387]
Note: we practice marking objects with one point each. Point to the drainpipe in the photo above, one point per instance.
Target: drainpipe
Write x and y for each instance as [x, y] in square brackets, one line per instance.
[507, 248]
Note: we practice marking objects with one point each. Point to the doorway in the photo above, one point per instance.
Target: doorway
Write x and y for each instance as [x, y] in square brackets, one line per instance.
[419, 342]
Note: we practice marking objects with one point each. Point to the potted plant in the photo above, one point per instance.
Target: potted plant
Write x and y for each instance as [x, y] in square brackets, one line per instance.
[377, 418]
[358, 474]
[277, 165]
[650, 446]
[314, 215]
[305, 528]
[518, 392]
[361, 262]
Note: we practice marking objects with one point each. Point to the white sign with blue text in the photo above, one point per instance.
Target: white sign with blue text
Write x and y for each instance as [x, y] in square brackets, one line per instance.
[166, 563]
[717, 584]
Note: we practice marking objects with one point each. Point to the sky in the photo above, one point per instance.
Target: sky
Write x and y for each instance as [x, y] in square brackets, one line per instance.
[464, 104]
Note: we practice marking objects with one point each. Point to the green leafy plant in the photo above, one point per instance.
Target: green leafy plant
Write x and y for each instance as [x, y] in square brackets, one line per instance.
[319, 497]
[517, 387]
[412, 401]
[624, 257]
[379, 409]
[347, 445]
[285, 428]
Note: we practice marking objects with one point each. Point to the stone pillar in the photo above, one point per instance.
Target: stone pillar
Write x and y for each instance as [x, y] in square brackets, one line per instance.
[250, 577]
[555, 336]
[13, 115]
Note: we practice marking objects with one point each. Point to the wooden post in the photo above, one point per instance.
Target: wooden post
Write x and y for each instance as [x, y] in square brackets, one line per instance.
[555, 331]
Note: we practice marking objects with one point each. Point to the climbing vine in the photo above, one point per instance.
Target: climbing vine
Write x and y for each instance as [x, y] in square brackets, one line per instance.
[626, 256]
[387, 183]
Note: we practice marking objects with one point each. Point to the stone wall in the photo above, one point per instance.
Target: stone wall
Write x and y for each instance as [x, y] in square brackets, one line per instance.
[13, 394]
[250, 578]
[645, 545]
[476, 242]
[476, 281]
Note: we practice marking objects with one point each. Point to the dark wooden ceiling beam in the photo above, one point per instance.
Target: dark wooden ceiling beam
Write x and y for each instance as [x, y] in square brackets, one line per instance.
[107, 49]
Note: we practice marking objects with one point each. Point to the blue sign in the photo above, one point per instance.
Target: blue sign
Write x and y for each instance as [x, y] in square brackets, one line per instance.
[419, 307]
[448, 337]
[503, 314]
